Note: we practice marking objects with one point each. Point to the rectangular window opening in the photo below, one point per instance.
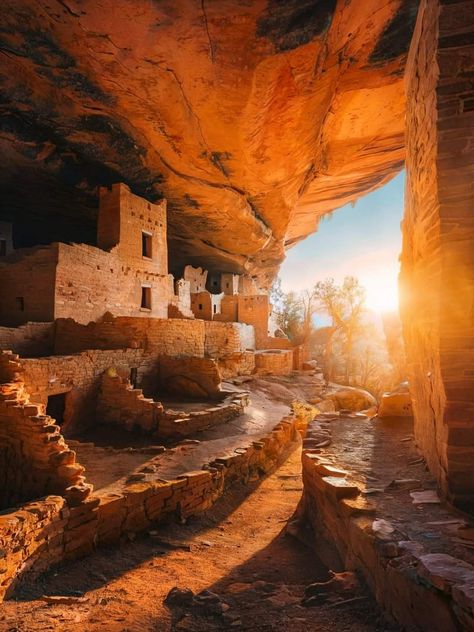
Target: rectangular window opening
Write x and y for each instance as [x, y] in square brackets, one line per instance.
[20, 301]
[146, 297]
[56, 406]
[200, 305]
[215, 309]
[146, 245]
[134, 376]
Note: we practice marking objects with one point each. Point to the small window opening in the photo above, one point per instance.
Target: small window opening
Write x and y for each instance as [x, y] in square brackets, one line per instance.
[215, 309]
[56, 406]
[3, 247]
[214, 282]
[200, 305]
[146, 297]
[227, 285]
[20, 301]
[146, 245]
[134, 376]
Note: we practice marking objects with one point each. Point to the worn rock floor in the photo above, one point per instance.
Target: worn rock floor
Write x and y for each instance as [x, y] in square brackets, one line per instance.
[381, 457]
[238, 550]
[107, 469]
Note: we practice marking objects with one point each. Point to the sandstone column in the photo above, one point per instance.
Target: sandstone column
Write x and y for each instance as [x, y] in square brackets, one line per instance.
[437, 274]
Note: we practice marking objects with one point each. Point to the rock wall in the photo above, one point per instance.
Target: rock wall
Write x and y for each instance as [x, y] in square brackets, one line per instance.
[253, 119]
[437, 275]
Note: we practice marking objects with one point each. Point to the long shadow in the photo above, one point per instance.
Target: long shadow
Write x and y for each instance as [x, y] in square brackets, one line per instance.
[80, 576]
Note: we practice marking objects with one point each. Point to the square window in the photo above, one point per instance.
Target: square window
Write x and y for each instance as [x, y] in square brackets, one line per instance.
[146, 245]
[146, 297]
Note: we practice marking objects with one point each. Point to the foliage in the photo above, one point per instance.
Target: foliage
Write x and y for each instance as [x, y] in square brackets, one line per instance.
[350, 347]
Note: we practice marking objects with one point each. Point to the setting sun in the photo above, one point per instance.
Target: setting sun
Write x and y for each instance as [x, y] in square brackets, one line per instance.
[381, 290]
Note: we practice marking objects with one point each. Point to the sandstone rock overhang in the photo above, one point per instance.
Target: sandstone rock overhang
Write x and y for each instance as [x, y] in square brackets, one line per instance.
[253, 119]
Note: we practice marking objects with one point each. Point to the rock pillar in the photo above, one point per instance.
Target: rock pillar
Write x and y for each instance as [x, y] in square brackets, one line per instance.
[437, 274]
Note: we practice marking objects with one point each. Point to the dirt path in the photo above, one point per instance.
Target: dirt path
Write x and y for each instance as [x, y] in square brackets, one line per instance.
[238, 550]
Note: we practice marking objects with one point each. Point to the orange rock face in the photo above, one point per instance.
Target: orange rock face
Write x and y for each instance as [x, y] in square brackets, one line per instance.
[254, 118]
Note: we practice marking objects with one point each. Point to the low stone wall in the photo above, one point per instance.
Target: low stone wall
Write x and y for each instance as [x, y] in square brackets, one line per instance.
[79, 376]
[41, 534]
[121, 405]
[420, 591]
[274, 362]
[31, 339]
[236, 364]
[34, 458]
[180, 337]
[179, 424]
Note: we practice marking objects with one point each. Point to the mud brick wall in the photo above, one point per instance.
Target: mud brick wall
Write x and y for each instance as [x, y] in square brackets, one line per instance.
[438, 245]
[183, 337]
[121, 405]
[274, 362]
[27, 286]
[222, 339]
[32, 339]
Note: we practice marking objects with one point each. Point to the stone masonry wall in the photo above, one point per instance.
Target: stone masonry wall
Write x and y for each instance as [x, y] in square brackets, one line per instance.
[31, 339]
[44, 533]
[27, 286]
[274, 362]
[79, 376]
[223, 339]
[120, 404]
[34, 458]
[158, 336]
[437, 275]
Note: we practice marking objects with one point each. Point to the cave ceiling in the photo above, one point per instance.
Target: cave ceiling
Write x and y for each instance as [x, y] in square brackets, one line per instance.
[253, 118]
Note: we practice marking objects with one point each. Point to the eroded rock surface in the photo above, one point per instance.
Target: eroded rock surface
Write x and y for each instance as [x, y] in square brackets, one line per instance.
[252, 118]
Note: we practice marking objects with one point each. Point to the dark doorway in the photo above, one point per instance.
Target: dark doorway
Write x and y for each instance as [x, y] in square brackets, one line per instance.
[56, 406]
[133, 377]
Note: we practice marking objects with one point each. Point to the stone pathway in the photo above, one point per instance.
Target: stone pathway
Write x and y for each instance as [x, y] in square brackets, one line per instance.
[238, 550]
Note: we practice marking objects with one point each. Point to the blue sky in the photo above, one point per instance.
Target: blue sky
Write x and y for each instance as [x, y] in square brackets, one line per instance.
[363, 240]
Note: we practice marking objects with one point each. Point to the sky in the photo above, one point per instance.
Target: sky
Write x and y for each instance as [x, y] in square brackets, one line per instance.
[363, 240]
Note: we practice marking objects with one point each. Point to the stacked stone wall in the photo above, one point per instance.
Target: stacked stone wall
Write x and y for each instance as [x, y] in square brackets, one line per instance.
[120, 404]
[181, 337]
[274, 362]
[27, 286]
[47, 532]
[34, 458]
[31, 339]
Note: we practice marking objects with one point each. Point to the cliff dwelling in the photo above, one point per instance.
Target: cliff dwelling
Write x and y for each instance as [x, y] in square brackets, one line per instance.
[190, 440]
